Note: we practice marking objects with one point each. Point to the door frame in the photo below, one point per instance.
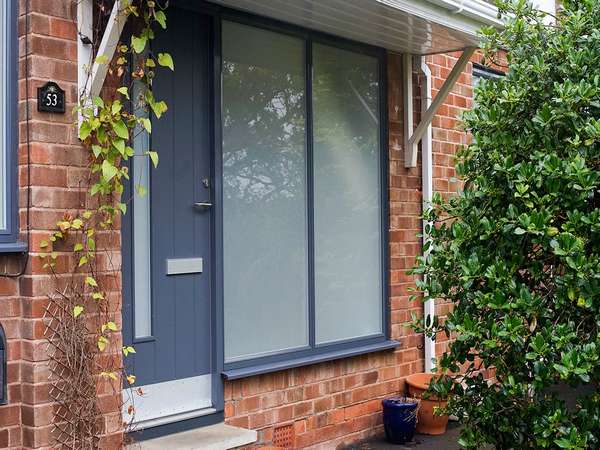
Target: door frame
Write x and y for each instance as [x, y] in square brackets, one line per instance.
[215, 413]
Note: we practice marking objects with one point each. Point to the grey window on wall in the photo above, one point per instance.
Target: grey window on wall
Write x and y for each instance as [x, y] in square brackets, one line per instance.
[481, 72]
[302, 195]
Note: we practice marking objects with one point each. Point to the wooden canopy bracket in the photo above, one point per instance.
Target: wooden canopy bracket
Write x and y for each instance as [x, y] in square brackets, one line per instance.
[412, 138]
[91, 75]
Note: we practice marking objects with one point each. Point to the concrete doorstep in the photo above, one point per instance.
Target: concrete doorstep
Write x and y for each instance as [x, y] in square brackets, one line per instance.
[213, 437]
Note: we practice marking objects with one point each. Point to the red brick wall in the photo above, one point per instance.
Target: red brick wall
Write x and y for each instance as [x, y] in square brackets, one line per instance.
[57, 164]
[10, 312]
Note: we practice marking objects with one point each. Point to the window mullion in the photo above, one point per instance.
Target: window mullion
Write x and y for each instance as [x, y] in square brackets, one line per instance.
[310, 192]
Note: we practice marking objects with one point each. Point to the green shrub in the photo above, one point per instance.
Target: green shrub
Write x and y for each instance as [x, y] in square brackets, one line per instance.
[517, 251]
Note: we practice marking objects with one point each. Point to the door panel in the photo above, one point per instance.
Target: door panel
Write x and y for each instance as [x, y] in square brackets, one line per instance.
[179, 346]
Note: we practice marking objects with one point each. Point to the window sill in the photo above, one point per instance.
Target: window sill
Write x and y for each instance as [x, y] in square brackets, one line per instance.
[13, 247]
[235, 374]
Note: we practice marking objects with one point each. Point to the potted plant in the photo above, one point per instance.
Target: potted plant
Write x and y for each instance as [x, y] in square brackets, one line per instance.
[429, 420]
[400, 419]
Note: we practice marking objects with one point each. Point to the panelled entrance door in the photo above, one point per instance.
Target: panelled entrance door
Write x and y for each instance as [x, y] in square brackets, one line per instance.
[169, 318]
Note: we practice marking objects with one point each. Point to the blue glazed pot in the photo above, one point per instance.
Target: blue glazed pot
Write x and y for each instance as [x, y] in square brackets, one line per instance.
[400, 419]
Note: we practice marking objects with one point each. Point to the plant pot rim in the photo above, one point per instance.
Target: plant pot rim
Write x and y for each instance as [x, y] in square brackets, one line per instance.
[402, 400]
[421, 380]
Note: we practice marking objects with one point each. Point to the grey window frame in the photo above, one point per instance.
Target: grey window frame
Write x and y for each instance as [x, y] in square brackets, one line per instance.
[315, 353]
[481, 71]
[9, 236]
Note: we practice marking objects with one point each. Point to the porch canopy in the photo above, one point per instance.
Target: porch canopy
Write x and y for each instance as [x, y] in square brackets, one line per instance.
[404, 26]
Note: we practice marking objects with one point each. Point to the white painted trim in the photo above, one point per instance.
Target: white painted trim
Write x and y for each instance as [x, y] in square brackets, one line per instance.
[410, 158]
[84, 51]
[548, 6]
[427, 186]
[170, 401]
[108, 45]
[479, 10]
[411, 140]
[142, 425]
[466, 16]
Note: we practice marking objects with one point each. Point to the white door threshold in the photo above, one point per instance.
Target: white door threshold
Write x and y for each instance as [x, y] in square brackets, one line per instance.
[212, 437]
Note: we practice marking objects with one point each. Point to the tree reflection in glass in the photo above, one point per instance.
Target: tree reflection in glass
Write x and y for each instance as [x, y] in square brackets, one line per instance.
[264, 192]
[347, 184]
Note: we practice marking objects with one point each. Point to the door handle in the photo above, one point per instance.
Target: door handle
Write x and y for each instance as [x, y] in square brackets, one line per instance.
[202, 205]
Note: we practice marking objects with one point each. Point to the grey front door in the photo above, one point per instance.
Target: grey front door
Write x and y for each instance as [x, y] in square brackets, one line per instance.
[170, 317]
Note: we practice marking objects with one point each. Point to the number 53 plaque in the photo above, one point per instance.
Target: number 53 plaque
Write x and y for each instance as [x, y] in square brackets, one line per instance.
[51, 98]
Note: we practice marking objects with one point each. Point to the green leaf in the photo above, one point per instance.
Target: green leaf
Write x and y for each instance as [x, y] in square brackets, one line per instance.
[77, 310]
[161, 18]
[121, 129]
[165, 60]
[90, 281]
[159, 108]
[562, 370]
[78, 247]
[98, 102]
[102, 343]
[83, 261]
[154, 157]
[147, 124]
[85, 130]
[108, 170]
[124, 91]
[101, 59]
[96, 150]
[111, 326]
[119, 144]
[138, 43]
[116, 107]
[141, 190]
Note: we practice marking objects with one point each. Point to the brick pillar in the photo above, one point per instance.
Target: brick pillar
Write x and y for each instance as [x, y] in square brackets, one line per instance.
[57, 166]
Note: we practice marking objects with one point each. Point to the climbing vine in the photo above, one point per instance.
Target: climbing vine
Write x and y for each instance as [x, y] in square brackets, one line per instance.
[82, 253]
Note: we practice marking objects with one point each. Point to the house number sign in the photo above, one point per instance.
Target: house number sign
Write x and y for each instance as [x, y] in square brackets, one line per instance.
[51, 98]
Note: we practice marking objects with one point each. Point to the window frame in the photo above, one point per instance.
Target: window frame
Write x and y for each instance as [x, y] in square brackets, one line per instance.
[9, 236]
[314, 352]
[481, 71]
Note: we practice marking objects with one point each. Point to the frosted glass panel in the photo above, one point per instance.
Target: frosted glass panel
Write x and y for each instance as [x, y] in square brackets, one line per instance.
[348, 291]
[3, 105]
[264, 192]
[141, 234]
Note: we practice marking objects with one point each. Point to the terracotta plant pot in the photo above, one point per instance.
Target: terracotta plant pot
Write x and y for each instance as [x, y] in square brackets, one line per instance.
[428, 421]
